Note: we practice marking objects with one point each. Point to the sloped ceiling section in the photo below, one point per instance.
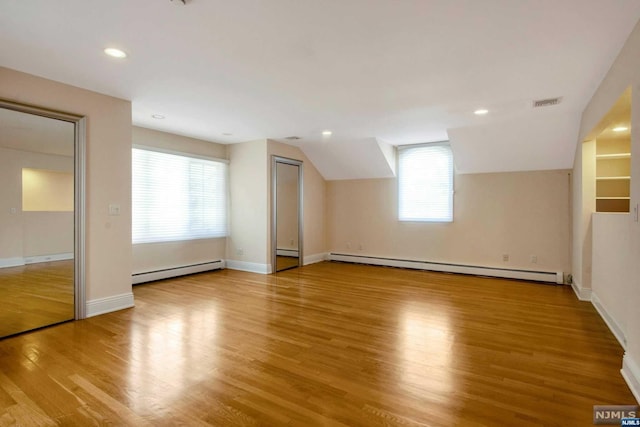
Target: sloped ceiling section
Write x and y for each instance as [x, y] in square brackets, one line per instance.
[365, 158]
[520, 144]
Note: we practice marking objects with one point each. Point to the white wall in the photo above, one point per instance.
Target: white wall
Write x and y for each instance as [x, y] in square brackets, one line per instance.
[21, 233]
[247, 244]
[520, 214]
[611, 277]
[108, 238]
[622, 74]
[157, 256]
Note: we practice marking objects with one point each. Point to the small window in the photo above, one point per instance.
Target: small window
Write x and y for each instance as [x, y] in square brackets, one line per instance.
[177, 197]
[425, 183]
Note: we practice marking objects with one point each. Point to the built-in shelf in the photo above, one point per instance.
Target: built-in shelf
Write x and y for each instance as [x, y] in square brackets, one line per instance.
[613, 198]
[614, 156]
[613, 170]
[609, 178]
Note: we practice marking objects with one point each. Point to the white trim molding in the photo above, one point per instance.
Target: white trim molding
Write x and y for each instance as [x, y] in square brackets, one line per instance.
[288, 252]
[583, 294]
[540, 276]
[150, 276]
[252, 267]
[631, 373]
[614, 326]
[20, 261]
[48, 258]
[108, 304]
[11, 262]
[315, 258]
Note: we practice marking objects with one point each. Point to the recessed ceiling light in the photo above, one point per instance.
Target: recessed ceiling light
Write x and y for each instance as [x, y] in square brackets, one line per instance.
[116, 53]
[620, 129]
[157, 116]
[327, 133]
[481, 112]
[227, 134]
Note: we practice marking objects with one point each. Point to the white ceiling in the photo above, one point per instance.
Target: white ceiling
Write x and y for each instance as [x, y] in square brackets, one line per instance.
[369, 70]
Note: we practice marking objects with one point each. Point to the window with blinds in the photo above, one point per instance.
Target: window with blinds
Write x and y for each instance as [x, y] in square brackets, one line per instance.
[425, 183]
[177, 197]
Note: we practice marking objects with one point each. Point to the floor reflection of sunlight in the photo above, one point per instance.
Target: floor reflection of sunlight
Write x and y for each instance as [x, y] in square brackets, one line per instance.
[425, 348]
[164, 357]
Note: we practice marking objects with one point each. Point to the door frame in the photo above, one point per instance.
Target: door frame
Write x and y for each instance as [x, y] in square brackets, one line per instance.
[80, 141]
[274, 208]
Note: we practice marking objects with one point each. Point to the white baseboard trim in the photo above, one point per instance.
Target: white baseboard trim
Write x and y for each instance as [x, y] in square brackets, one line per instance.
[167, 273]
[631, 373]
[19, 261]
[582, 293]
[11, 262]
[288, 252]
[541, 276]
[107, 305]
[252, 267]
[46, 258]
[312, 259]
[614, 327]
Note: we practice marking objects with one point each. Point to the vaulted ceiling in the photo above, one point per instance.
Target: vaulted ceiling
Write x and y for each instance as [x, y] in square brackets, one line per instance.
[374, 72]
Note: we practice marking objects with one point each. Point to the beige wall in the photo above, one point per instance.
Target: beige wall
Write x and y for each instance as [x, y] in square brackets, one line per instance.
[622, 74]
[247, 243]
[170, 141]
[584, 204]
[157, 256]
[21, 233]
[519, 214]
[108, 238]
[47, 191]
[314, 201]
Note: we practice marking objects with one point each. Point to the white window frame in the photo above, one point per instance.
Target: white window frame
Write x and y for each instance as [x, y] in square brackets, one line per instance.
[403, 211]
[185, 232]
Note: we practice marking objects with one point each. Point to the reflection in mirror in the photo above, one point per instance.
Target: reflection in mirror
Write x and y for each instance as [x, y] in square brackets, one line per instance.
[287, 213]
[36, 221]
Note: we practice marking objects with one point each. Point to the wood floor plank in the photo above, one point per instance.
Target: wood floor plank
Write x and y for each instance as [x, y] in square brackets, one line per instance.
[36, 295]
[326, 344]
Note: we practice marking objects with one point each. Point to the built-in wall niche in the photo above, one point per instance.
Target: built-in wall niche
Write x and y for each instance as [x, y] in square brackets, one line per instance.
[613, 159]
[613, 175]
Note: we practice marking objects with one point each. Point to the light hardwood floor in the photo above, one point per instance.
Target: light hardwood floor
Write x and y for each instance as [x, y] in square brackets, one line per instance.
[327, 344]
[35, 295]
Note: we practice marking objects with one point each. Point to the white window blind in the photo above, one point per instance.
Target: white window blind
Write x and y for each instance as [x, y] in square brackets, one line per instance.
[425, 183]
[177, 197]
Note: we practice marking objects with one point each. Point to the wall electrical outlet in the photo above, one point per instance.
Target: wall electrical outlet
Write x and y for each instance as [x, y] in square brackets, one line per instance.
[534, 259]
[239, 251]
[505, 257]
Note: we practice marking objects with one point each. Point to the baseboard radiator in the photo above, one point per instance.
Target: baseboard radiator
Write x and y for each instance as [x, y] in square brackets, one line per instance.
[538, 276]
[150, 276]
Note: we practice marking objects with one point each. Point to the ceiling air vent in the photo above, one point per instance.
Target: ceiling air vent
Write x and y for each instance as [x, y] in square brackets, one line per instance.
[546, 102]
[293, 138]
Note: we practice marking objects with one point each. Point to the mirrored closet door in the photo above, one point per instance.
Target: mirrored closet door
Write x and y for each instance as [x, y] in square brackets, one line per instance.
[38, 230]
[286, 227]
